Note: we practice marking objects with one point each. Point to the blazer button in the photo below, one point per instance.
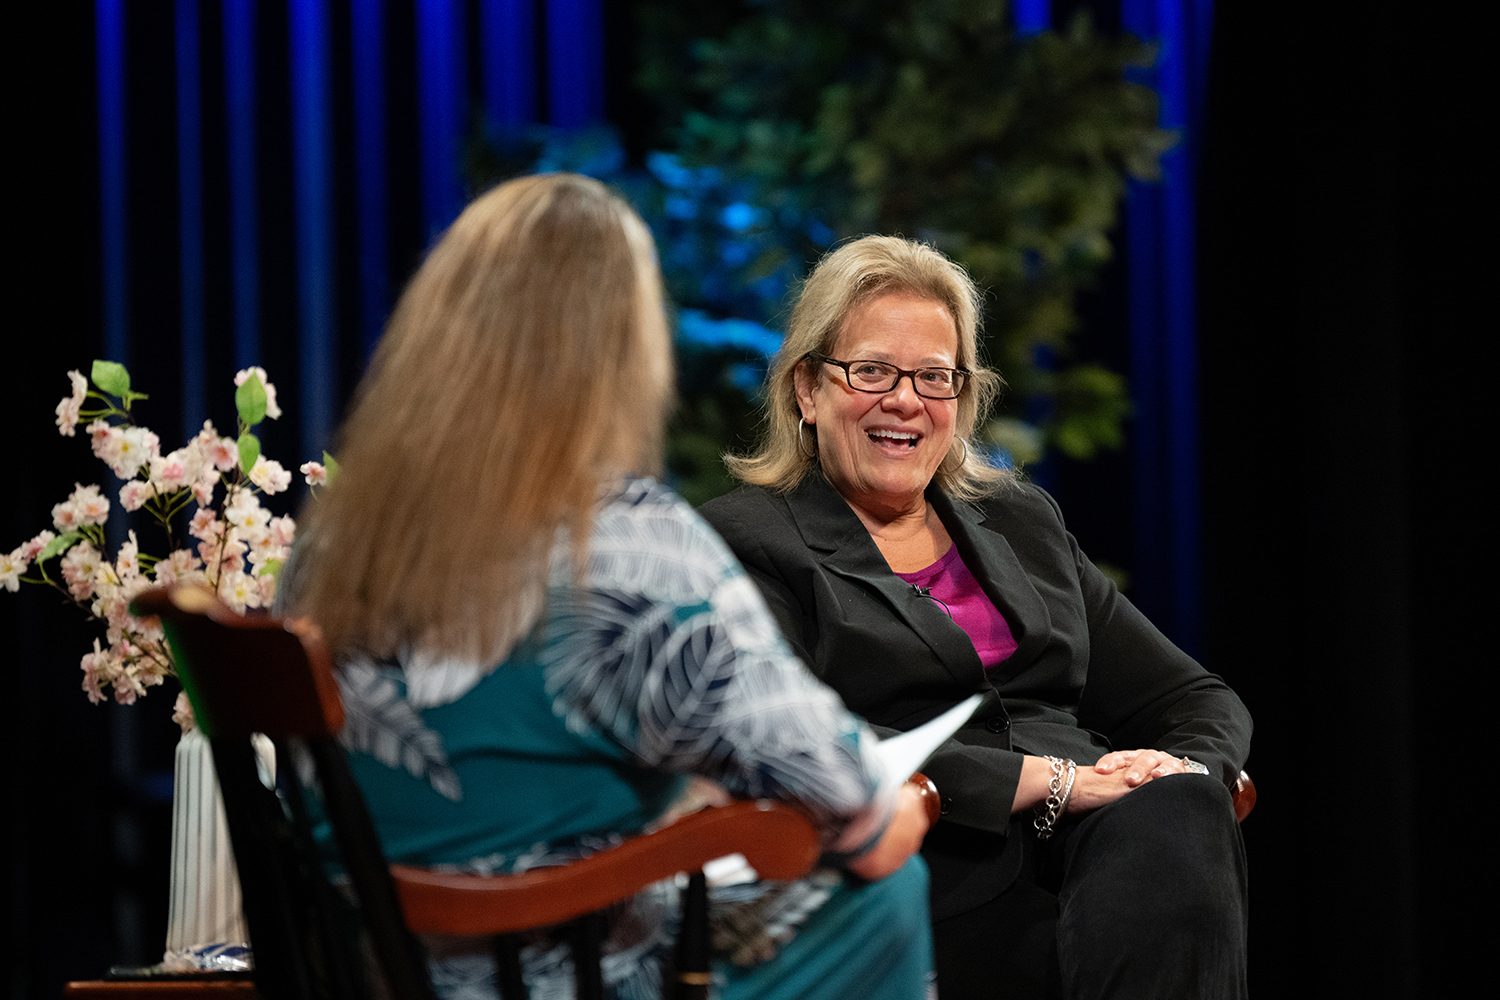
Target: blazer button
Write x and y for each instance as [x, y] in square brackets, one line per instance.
[997, 725]
[946, 803]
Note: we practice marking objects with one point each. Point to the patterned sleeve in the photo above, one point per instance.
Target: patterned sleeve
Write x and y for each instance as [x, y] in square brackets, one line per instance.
[666, 646]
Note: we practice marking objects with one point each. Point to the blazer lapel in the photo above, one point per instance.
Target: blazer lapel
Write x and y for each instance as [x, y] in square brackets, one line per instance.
[994, 564]
[844, 546]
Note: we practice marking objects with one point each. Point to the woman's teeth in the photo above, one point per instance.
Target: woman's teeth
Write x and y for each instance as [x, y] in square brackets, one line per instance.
[896, 437]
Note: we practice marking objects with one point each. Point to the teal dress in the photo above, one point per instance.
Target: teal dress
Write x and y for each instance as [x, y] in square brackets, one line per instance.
[656, 662]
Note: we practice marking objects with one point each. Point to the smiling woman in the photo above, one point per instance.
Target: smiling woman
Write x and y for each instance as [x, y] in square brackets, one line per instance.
[873, 286]
[909, 574]
[880, 449]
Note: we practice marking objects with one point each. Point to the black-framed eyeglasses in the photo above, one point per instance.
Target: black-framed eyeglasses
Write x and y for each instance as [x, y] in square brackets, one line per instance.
[877, 376]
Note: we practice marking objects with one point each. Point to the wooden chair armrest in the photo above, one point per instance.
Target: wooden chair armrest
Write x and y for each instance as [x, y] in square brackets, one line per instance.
[930, 798]
[1244, 797]
[777, 841]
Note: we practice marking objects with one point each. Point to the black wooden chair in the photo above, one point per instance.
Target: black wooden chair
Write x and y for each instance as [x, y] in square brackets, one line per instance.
[250, 675]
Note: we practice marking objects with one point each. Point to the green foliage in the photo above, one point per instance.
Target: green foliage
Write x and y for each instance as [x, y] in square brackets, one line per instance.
[724, 266]
[249, 449]
[927, 118]
[112, 378]
[250, 402]
[59, 544]
[1093, 404]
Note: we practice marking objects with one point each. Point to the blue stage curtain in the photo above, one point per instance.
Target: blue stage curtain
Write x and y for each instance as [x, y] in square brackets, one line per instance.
[312, 158]
[1161, 251]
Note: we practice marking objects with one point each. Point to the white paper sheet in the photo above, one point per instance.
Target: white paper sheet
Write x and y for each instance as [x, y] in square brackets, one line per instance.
[905, 753]
[902, 755]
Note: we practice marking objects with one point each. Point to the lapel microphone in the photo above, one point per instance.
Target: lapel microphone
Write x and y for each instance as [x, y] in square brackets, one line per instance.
[927, 593]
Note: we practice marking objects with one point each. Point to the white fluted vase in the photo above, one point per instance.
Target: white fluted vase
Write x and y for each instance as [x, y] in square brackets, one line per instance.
[206, 929]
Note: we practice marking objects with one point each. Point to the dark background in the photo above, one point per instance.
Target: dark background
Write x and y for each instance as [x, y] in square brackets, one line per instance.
[1342, 211]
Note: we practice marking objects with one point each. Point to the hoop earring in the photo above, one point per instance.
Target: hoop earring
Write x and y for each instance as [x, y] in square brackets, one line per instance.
[801, 446]
[965, 460]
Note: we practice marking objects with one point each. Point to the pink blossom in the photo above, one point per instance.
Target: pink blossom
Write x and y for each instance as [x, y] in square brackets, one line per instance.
[94, 665]
[67, 409]
[179, 470]
[128, 562]
[182, 712]
[176, 567]
[262, 547]
[230, 558]
[315, 473]
[283, 530]
[98, 432]
[223, 452]
[114, 608]
[214, 450]
[205, 525]
[149, 671]
[78, 569]
[269, 475]
[106, 587]
[85, 505]
[203, 489]
[246, 513]
[128, 688]
[30, 549]
[272, 542]
[12, 565]
[126, 449]
[241, 377]
[92, 507]
[65, 516]
[134, 494]
[239, 591]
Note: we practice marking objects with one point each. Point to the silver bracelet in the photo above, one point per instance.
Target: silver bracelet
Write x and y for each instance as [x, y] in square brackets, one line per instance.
[1192, 766]
[1058, 789]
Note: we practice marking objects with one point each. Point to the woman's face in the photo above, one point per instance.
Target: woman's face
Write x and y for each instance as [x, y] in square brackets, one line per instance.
[880, 450]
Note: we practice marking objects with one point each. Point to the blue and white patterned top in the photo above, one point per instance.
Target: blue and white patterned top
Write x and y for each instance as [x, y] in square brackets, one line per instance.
[661, 662]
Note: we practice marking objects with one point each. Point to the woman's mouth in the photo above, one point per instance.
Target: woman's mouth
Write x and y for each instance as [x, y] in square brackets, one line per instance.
[895, 439]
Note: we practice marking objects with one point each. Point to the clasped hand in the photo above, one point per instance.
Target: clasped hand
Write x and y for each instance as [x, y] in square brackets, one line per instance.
[1118, 773]
[1114, 776]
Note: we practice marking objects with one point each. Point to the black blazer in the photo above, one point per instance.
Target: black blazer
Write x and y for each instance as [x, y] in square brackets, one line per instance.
[1090, 673]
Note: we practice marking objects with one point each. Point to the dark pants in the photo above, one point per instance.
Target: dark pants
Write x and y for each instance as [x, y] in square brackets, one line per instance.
[1145, 898]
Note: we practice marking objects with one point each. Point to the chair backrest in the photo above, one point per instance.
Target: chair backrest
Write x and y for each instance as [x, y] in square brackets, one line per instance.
[249, 675]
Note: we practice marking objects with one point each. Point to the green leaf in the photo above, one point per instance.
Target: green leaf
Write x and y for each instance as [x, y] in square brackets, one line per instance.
[249, 446]
[331, 465]
[111, 377]
[271, 567]
[61, 543]
[250, 400]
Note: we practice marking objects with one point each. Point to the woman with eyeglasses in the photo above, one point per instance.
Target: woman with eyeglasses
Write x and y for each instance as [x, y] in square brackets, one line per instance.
[1088, 846]
[538, 648]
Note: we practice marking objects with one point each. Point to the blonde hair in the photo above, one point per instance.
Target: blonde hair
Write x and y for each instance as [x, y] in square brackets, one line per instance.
[845, 279]
[526, 365]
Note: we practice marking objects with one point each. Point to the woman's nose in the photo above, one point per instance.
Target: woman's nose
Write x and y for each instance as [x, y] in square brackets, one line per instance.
[903, 395]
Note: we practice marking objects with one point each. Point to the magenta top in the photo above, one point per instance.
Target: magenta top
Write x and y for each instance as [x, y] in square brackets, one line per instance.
[949, 581]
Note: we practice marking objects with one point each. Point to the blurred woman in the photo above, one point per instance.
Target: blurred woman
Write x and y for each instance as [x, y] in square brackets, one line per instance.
[537, 647]
[1087, 846]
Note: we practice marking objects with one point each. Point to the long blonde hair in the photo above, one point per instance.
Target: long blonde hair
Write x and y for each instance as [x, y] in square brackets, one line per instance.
[845, 279]
[526, 365]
